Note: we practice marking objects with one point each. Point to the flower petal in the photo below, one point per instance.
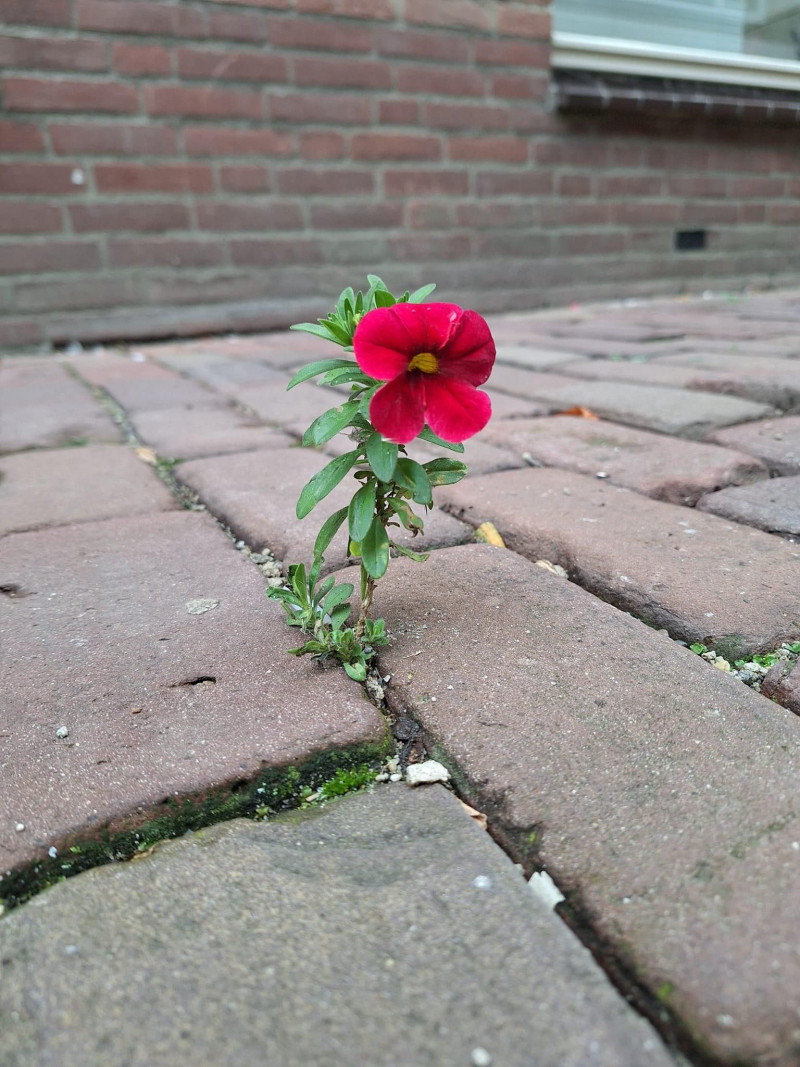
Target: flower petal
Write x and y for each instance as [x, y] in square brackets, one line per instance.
[387, 338]
[470, 353]
[397, 410]
[455, 410]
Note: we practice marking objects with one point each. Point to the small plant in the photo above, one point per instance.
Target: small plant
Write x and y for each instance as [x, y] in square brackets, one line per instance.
[415, 375]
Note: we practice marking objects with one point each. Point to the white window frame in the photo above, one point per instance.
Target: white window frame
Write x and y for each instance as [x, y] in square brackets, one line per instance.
[611, 55]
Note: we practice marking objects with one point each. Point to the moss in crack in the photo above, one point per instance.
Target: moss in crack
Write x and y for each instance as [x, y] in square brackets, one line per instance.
[272, 791]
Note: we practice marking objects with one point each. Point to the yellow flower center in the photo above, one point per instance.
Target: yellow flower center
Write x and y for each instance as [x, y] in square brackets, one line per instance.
[424, 361]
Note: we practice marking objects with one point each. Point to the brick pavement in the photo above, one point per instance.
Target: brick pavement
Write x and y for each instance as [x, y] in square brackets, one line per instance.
[148, 691]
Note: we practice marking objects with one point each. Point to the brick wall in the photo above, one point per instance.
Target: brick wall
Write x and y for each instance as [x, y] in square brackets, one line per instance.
[180, 167]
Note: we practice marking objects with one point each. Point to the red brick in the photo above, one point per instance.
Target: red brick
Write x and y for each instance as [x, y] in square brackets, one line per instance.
[439, 81]
[245, 179]
[202, 101]
[36, 12]
[776, 442]
[225, 65]
[519, 86]
[37, 178]
[336, 108]
[489, 149]
[706, 212]
[517, 20]
[20, 331]
[495, 53]
[20, 137]
[466, 116]
[305, 182]
[634, 214]
[236, 26]
[58, 94]
[357, 9]
[493, 214]
[225, 141]
[589, 244]
[781, 214]
[53, 53]
[573, 185]
[164, 252]
[676, 155]
[356, 216]
[136, 59]
[140, 17]
[112, 140]
[420, 44]
[74, 295]
[695, 185]
[32, 258]
[398, 112]
[454, 14]
[429, 214]
[147, 217]
[428, 247]
[734, 160]
[750, 212]
[25, 216]
[418, 182]
[512, 244]
[277, 5]
[275, 253]
[531, 119]
[572, 153]
[618, 186]
[756, 187]
[529, 183]
[313, 34]
[394, 146]
[248, 216]
[321, 145]
[575, 213]
[153, 178]
[343, 73]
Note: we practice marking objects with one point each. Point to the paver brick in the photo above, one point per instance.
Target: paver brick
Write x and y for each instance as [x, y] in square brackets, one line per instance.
[178, 433]
[505, 406]
[297, 408]
[256, 493]
[658, 792]
[41, 406]
[698, 576]
[159, 702]
[228, 375]
[776, 442]
[773, 505]
[661, 408]
[384, 928]
[767, 380]
[662, 467]
[530, 356]
[782, 683]
[69, 485]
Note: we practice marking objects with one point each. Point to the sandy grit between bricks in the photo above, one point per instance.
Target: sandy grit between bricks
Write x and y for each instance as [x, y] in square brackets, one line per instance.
[662, 793]
[99, 637]
[381, 929]
[698, 576]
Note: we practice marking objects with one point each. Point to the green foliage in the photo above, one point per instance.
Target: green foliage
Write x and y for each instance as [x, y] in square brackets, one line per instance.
[698, 648]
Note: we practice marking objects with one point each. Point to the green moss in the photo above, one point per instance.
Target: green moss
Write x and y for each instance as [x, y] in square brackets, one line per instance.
[664, 992]
[272, 791]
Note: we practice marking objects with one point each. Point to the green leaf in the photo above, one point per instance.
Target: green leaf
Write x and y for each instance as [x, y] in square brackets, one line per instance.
[357, 671]
[419, 295]
[409, 519]
[361, 511]
[426, 434]
[445, 471]
[329, 424]
[382, 457]
[320, 366]
[324, 588]
[375, 549]
[418, 557]
[411, 475]
[328, 532]
[376, 282]
[339, 616]
[324, 482]
[297, 578]
[341, 375]
[339, 331]
[365, 398]
[337, 596]
[312, 327]
[384, 299]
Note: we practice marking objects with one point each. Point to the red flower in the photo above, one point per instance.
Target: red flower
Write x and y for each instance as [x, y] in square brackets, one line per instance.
[432, 356]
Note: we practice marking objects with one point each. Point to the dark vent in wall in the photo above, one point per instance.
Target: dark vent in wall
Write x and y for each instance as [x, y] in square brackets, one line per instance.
[690, 240]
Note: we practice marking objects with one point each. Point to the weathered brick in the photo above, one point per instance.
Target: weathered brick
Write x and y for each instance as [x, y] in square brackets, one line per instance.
[20, 137]
[421, 44]
[488, 149]
[246, 26]
[31, 258]
[691, 573]
[60, 94]
[430, 247]
[140, 17]
[50, 411]
[398, 112]
[434, 81]
[645, 792]
[182, 434]
[356, 216]
[335, 108]
[34, 179]
[26, 331]
[71, 295]
[117, 139]
[419, 182]
[529, 183]
[26, 216]
[36, 12]
[250, 216]
[773, 505]
[322, 145]
[91, 218]
[263, 252]
[58, 487]
[219, 141]
[518, 86]
[312, 34]
[454, 14]
[226, 65]
[782, 684]
[394, 146]
[164, 252]
[202, 102]
[679, 472]
[776, 442]
[301, 181]
[53, 53]
[491, 52]
[153, 178]
[519, 20]
[137, 59]
[349, 73]
[466, 116]
[242, 178]
[357, 9]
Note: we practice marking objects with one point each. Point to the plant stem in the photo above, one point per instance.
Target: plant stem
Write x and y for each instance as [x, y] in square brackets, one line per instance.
[367, 589]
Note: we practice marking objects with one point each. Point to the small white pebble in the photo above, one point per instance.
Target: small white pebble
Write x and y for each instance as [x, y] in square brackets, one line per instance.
[20, 827]
[480, 1058]
[601, 474]
[796, 846]
[395, 777]
[62, 732]
[52, 852]
[481, 882]
[545, 889]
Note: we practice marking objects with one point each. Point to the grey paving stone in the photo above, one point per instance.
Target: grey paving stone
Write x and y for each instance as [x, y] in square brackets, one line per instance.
[773, 505]
[659, 793]
[69, 485]
[42, 407]
[178, 433]
[776, 442]
[296, 408]
[385, 929]
[505, 406]
[480, 456]
[256, 493]
[768, 380]
[141, 385]
[662, 467]
[660, 408]
[97, 637]
[530, 356]
[104, 368]
[700, 577]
